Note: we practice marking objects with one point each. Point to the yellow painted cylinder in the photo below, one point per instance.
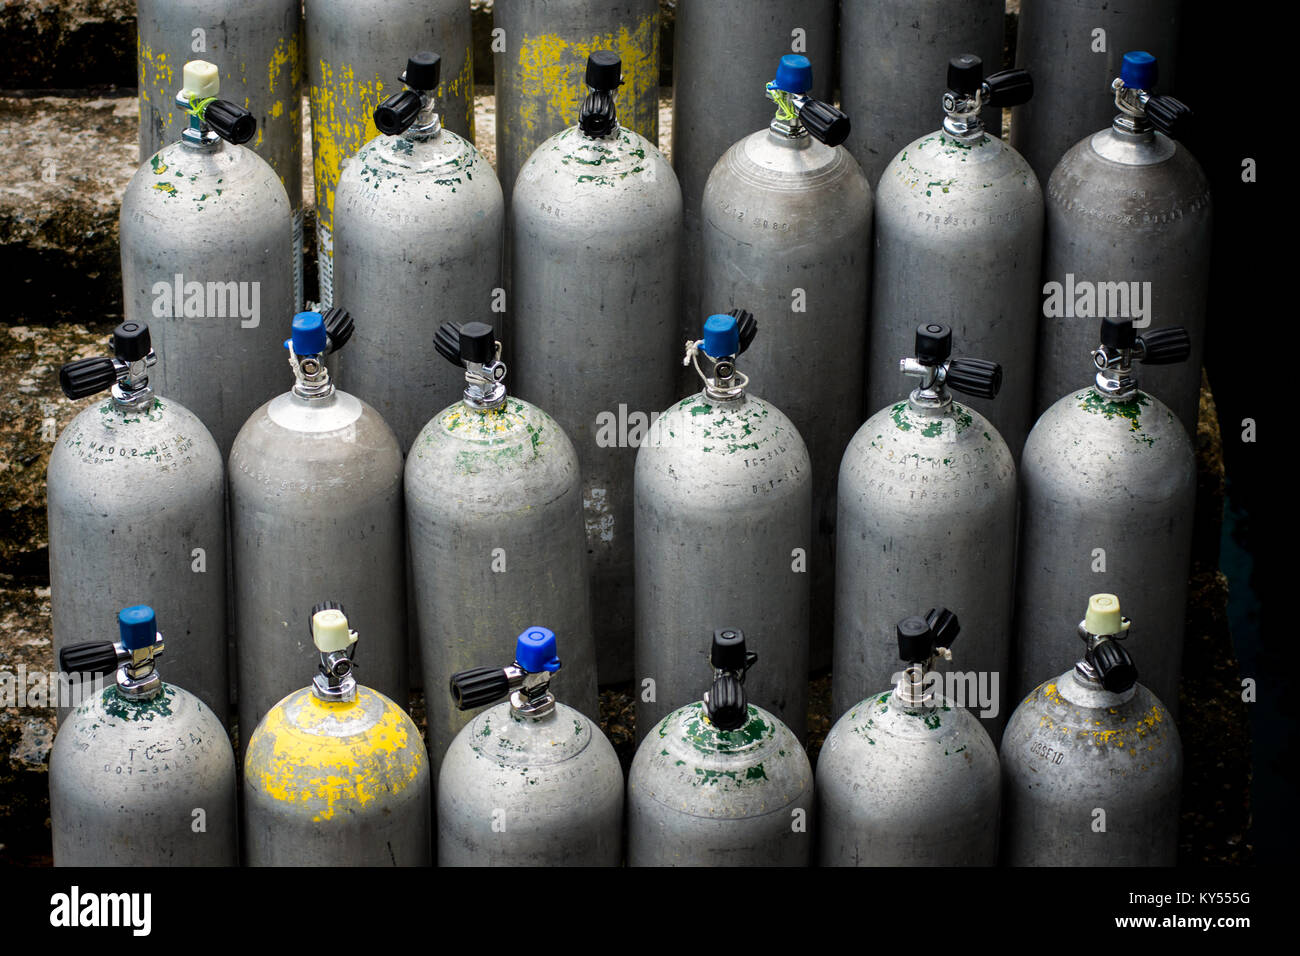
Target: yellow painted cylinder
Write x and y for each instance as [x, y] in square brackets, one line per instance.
[337, 783]
[258, 48]
[541, 49]
[355, 54]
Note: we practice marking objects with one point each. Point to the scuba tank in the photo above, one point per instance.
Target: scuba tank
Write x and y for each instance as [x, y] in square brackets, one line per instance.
[136, 495]
[141, 773]
[720, 782]
[494, 520]
[723, 495]
[959, 233]
[336, 773]
[1128, 236]
[260, 45]
[349, 63]
[786, 233]
[1057, 40]
[315, 502]
[1091, 761]
[721, 49]
[1108, 485]
[909, 777]
[596, 230]
[927, 503]
[206, 257]
[417, 237]
[531, 782]
[882, 44]
[538, 76]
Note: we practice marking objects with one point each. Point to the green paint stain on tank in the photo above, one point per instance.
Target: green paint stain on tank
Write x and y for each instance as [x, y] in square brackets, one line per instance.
[934, 429]
[1094, 403]
[701, 409]
[899, 414]
[932, 719]
[403, 146]
[158, 164]
[166, 188]
[116, 704]
[756, 772]
[711, 777]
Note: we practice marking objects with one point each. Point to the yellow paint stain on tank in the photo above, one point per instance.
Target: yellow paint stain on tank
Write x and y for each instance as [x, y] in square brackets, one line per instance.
[303, 752]
[552, 69]
[156, 73]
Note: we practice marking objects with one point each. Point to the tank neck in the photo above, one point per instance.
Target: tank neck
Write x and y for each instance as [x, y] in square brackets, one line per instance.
[788, 135]
[1086, 691]
[311, 377]
[911, 693]
[931, 402]
[428, 124]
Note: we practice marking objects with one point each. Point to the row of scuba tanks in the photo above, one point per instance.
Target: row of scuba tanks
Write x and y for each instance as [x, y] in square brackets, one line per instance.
[609, 518]
[336, 773]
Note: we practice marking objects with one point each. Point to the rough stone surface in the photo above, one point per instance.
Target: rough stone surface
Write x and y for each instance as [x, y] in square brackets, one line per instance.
[59, 197]
[26, 733]
[32, 413]
[67, 44]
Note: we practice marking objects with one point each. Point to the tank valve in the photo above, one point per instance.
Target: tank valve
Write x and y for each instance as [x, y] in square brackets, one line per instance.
[969, 91]
[127, 374]
[527, 680]
[1140, 110]
[211, 119]
[725, 337]
[798, 113]
[314, 336]
[1105, 662]
[474, 347]
[724, 702]
[938, 372]
[1121, 346]
[599, 114]
[336, 643]
[416, 105]
[920, 641]
[132, 657]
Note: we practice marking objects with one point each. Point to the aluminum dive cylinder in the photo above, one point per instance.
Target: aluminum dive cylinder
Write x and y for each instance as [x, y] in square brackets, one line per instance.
[959, 233]
[927, 505]
[909, 777]
[721, 782]
[259, 46]
[1129, 218]
[529, 782]
[722, 525]
[883, 43]
[721, 54]
[315, 481]
[786, 222]
[142, 772]
[417, 241]
[1092, 762]
[136, 497]
[1073, 45]
[494, 521]
[539, 73]
[1108, 486]
[349, 73]
[206, 259]
[597, 218]
[336, 773]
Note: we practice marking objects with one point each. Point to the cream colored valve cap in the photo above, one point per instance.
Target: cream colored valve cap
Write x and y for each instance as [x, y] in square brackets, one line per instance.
[1103, 615]
[201, 79]
[329, 631]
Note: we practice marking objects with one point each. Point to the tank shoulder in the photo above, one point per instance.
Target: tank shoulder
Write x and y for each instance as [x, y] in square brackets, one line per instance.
[517, 431]
[163, 435]
[760, 763]
[449, 162]
[1086, 416]
[938, 168]
[1103, 163]
[303, 741]
[509, 741]
[1066, 709]
[178, 178]
[596, 164]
